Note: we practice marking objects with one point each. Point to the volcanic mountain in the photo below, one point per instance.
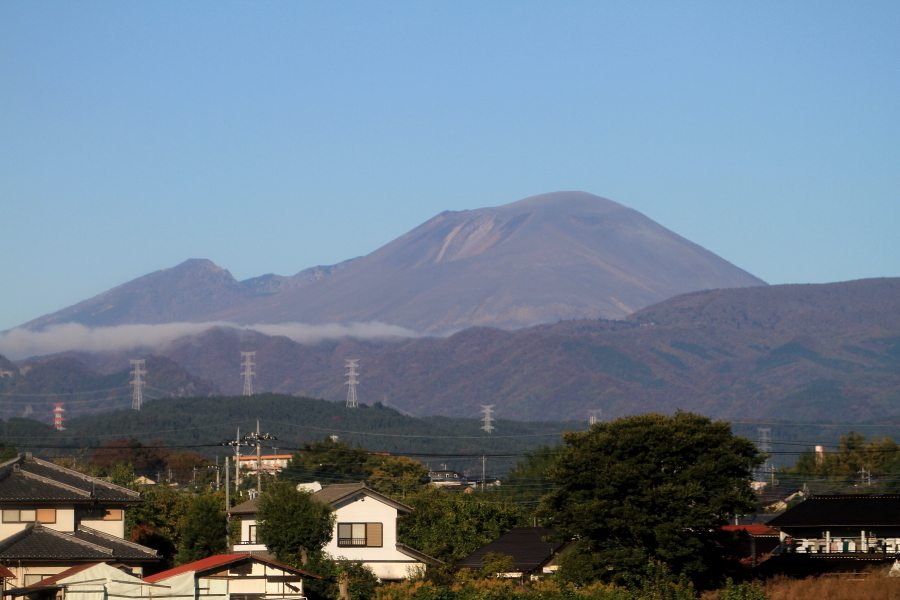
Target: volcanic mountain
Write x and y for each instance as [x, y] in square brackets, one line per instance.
[546, 258]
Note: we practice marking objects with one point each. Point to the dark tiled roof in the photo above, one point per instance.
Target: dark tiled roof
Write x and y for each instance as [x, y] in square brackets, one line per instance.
[245, 508]
[29, 479]
[837, 510]
[122, 549]
[526, 545]
[39, 542]
[337, 492]
[330, 495]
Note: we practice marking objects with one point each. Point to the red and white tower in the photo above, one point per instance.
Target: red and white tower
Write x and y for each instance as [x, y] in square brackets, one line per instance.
[58, 419]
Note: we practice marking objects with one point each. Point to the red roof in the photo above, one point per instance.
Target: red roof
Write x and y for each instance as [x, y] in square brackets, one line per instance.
[218, 560]
[751, 529]
[70, 571]
[6, 573]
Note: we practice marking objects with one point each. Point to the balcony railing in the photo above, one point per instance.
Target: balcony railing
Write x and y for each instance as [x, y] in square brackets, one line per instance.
[351, 542]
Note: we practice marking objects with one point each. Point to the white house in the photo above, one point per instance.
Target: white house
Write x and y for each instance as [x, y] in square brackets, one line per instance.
[365, 530]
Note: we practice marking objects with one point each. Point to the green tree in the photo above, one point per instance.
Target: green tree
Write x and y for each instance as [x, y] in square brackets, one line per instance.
[7, 452]
[292, 524]
[449, 526]
[527, 482]
[203, 531]
[398, 475]
[330, 461]
[157, 522]
[649, 488]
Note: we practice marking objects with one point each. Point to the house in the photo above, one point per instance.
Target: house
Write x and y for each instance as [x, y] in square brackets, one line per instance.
[757, 544]
[88, 581]
[529, 547]
[446, 478]
[270, 463]
[231, 577]
[365, 530]
[222, 577]
[53, 518]
[849, 531]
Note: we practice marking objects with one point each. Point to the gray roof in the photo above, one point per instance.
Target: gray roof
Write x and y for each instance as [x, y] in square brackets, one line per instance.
[331, 495]
[245, 508]
[854, 510]
[528, 546]
[29, 479]
[39, 542]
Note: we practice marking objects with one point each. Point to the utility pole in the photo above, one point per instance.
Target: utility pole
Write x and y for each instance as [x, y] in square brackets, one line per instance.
[256, 438]
[227, 505]
[236, 443]
[352, 363]
[765, 445]
[247, 374]
[137, 398]
[487, 417]
[482, 471]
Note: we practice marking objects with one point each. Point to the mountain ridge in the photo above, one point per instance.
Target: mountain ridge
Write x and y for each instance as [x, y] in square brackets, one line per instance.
[562, 255]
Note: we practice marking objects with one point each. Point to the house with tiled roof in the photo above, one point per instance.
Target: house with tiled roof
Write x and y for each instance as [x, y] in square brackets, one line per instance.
[365, 529]
[532, 550]
[53, 518]
[828, 532]
[232, 577]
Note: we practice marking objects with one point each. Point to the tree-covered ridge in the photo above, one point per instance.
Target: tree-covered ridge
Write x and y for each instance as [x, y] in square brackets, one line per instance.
[201, 424]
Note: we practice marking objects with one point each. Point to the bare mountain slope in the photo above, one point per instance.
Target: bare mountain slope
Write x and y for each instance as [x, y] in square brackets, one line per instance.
[564, 255]
[555, 256]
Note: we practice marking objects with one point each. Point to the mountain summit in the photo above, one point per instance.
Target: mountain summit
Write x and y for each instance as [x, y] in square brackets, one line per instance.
[563, 255]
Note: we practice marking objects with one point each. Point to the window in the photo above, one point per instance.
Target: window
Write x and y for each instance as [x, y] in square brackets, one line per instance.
[16, 515]
[96, 513]
[359, 535]
[251, 534]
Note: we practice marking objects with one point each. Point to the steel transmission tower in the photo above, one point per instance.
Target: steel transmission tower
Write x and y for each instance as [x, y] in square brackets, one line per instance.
[248, 364]
[765, 445]
[352, 363]
[138, 371]
[58, 419]
[487, 417]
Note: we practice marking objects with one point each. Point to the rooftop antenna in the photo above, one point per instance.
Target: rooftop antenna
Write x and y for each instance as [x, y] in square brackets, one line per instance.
[57, 416]
[486, 409]
[594, 415]
[247, 374]
[137, 397]
[352, 363]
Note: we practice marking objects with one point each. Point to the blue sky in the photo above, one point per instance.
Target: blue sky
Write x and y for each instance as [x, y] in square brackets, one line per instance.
[274, 136]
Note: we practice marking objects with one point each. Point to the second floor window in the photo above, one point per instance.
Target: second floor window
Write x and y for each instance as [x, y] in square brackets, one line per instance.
[251, 534]
[29, 515]
[360, 535]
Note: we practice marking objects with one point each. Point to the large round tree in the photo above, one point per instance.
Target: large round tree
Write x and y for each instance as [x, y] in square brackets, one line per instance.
[649, 489]
[292, 523]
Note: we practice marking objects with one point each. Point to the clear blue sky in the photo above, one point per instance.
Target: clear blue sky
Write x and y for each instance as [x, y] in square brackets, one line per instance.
[274, 136]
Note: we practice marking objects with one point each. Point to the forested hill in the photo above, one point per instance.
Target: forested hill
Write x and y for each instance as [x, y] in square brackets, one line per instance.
[200, 424]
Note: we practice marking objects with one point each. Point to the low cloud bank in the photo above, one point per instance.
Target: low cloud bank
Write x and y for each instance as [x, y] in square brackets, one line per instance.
[22, 343]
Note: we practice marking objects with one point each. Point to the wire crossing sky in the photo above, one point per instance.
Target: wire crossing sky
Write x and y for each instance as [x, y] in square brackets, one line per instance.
[271, 137]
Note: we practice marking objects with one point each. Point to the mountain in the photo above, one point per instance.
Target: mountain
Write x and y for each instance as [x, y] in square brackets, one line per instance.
[564, 255]
[35, 385]
[798, 352]
[801, 352]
